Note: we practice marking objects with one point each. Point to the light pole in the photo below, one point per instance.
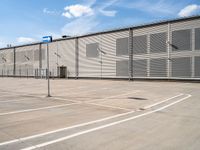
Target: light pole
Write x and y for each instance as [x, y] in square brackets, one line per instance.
[48, 39]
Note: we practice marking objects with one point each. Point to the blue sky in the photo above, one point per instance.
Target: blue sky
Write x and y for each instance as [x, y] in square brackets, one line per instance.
[25, 21]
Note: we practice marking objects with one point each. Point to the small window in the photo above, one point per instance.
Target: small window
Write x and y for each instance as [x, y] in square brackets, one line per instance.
[140, 44]
[92, 50]
[140, 68]
[158, 42]
[122, 46]
[158, 67]
[197, 66]
[197, 39]
[43, 52]
[181, 67]
[181, 40]
[122, 68]
[36, 55]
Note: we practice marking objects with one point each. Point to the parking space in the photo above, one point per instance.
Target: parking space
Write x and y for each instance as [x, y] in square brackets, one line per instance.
[93, 108]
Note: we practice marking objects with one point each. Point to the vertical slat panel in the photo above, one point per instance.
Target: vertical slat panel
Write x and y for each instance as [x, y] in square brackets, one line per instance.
[140, 68]
[158, 67]
[197, 66]
[88, 67]
[110, 58]
[27, 60]
[66, 56]
[181, 67]
[7, 62]
[197, 39]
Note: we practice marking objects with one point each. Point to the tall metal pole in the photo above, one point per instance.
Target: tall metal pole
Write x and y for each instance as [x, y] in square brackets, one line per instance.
[49, 95]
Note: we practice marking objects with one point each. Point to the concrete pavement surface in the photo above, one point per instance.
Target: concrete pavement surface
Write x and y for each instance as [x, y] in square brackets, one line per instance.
[99, 114]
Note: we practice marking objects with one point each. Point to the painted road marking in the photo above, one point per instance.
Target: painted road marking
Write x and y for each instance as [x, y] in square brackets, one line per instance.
[155, 104]
[104, 126]
[67, 128]
[113, 96]
[36, 109]
[108, 106]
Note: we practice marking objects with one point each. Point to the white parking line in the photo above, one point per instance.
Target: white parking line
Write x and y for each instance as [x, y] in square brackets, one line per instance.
[7, 101]
[64, 129]
[63, 99]
[168, 99]
[113, 96]
[36, 109]
[104, 126]
[108, 106]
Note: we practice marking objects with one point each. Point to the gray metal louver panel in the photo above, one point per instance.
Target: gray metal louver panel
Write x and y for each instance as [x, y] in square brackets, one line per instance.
[181, 40]
[158, 42]
[140, 68]
[122, 68]
[197, 39]
[140, 44]
[36, 55]
[92, 50]
[197, 66]
[43, 54]
[122, 46]
[158, 67]
[181, 67]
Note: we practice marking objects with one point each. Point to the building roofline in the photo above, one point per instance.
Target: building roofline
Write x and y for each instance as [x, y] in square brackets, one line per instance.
[115, 30]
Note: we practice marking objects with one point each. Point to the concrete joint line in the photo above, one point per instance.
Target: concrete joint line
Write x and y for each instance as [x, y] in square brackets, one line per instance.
[42, 108]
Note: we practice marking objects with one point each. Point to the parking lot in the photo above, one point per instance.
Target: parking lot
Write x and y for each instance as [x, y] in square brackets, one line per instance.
[99, 114]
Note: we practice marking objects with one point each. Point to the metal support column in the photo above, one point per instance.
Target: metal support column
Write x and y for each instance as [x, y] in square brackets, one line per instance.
[14, 62]
[76, 58]
[168, 51]
[130, 50]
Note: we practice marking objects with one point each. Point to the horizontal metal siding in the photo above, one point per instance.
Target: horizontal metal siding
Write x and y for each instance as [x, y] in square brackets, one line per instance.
[26, 61]
[158, 67]
[109, 55]
[140, 68]
[191, 53]
[158, 42]
[92, 50]
[181, 40]
[140, 44]
[155, 49]
[197, 66]
[6, 62]
[88, 67]
[182, 67]
[66, 50]
[122, 68]
[197, 39]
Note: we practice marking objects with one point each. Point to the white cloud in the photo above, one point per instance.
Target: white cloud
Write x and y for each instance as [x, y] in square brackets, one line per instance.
[109, 13]
[86, 18]
[67, 15]
[159, 7]
[77, 11]
[50, 12]
[25, 40]
[189, 10]
[80, 26]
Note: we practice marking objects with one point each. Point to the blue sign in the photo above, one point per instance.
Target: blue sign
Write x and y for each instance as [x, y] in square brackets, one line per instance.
[47, 39]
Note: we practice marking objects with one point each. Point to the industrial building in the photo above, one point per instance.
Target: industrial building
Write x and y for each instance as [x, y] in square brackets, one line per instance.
[162, 50]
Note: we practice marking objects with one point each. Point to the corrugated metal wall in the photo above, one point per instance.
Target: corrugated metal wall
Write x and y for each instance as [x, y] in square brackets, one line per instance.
[167, 51]
[89, 66]
[150, 52]
[7, 62]
[27, 60]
